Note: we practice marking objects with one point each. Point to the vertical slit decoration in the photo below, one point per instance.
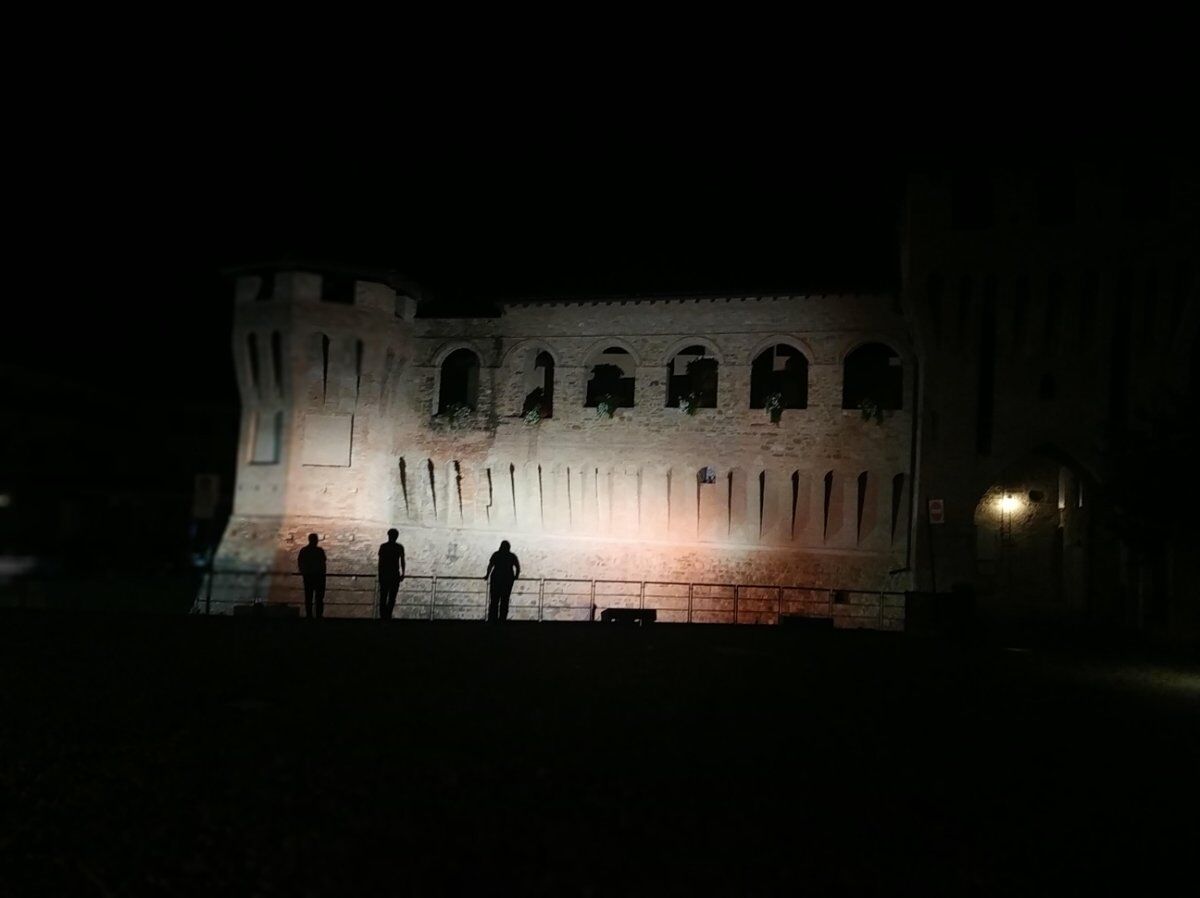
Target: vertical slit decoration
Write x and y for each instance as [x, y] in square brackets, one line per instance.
[252, 353]
[897, 498]
[432, 486]
[762, 495]
[862, 499]
[358, 364]
[324, 367]
[828, 496]
[404, 488]
[512, 488]
[729, 503]
[389, 362]
[277, 362]
[795, 499]
[668, 501]
[541, 499]
[458, 489]
[570, 504]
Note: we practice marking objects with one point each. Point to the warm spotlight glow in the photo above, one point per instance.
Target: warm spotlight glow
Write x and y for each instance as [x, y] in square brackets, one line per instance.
[1008, 504]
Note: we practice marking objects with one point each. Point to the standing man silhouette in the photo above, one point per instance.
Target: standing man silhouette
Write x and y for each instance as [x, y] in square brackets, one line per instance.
[503, 569]
[311, 562]
[391, 572]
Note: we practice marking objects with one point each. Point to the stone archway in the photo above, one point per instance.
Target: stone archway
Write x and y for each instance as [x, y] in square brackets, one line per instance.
[1034, 540]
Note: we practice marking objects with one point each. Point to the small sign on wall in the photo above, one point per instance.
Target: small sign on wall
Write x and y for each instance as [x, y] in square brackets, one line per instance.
[937, 511]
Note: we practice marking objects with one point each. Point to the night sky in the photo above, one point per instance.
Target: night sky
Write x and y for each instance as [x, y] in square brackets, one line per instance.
[137, 206]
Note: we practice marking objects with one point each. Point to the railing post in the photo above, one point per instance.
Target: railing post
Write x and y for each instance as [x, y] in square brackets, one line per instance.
[541, 596]
[737, 589]
[691, 586]
[592, 611]
[432, 594]
[642, 596]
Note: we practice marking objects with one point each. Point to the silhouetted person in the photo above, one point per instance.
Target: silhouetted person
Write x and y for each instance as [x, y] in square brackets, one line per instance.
[311, 562]
[503, 569]
[391, 572]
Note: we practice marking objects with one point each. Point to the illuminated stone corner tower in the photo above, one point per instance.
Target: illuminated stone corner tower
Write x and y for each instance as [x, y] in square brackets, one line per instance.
[359, 415]
[317, 359]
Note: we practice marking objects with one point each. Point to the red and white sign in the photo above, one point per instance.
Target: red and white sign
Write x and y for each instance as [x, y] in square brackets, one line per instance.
[937, 511]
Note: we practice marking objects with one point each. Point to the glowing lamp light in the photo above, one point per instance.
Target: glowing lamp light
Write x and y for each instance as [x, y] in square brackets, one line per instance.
[1009, 504]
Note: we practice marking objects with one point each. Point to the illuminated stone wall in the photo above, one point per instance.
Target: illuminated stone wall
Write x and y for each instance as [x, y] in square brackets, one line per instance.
[821, 499]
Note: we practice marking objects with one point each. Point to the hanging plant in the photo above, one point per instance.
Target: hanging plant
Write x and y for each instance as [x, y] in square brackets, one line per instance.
[774, 406]
[536, 407]
[690, 403]
[606, 406]
[871, 409]
[456, 416]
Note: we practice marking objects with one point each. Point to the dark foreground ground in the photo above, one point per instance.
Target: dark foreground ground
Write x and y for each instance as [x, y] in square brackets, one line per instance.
[205, 757]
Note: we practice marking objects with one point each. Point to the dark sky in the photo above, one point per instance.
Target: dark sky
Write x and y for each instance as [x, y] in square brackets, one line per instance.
[143, 258]
[786, 179]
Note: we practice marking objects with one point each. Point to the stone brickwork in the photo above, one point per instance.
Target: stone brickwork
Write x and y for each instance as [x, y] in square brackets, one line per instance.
[340, 436]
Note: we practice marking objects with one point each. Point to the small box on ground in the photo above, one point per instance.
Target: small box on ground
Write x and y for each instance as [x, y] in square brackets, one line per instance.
[628, 616]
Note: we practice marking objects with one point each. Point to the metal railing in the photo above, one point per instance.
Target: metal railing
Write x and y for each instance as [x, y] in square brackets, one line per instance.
[453, 597]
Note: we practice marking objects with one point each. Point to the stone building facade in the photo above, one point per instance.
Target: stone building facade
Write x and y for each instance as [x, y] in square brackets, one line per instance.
[1055, 317]
[1044, 328]
[360, 414]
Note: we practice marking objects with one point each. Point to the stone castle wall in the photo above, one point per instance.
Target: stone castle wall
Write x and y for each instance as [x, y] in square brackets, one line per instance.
[339, 437]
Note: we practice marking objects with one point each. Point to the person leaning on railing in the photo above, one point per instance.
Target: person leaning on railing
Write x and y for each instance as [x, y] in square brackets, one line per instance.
[503, 570]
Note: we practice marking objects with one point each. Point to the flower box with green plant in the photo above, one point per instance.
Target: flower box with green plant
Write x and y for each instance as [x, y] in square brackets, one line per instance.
[774, 407]
[690, 403]
[536, 407]
[606, 405]
[456, 416]
[871, 409]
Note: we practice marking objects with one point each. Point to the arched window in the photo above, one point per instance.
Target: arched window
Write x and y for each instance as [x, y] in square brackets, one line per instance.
[781, 369]
[538, 373]
[692, 373]
[873, 377]
[612, 376]
[459, 382]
